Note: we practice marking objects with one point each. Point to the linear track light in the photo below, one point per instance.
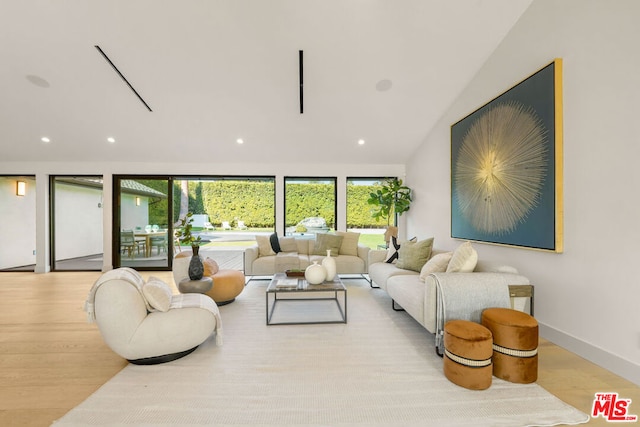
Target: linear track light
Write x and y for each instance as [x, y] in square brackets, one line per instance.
[104, 55]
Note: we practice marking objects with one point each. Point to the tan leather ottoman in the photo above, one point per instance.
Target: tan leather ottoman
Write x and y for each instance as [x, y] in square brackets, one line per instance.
[467, 354]
[227, 285]
[515, 344]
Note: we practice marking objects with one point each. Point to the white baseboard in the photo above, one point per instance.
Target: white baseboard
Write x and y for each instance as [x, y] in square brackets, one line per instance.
[600, 357]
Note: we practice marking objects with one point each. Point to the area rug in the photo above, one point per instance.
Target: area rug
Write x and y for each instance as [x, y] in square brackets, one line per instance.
[379, 369]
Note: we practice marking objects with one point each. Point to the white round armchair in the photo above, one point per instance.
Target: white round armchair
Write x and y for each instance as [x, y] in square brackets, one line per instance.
[144, 322]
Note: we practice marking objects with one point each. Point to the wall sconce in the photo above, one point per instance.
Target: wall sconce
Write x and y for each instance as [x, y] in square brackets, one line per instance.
[21, 188]
[137, 201]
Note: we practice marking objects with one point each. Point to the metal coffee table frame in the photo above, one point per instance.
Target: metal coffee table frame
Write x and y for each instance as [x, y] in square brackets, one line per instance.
[304, 287]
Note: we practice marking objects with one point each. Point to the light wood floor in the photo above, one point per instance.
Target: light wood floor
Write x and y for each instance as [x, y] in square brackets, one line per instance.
[51, 359]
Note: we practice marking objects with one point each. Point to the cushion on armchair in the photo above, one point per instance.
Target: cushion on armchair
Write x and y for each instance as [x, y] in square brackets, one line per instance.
[157, 293]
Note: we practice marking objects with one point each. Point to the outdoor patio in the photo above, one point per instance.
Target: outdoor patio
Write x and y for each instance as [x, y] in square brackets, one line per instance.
[226, 247]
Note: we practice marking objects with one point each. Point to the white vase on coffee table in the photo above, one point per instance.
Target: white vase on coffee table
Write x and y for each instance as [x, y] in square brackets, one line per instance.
[329, 265]
[315, 273]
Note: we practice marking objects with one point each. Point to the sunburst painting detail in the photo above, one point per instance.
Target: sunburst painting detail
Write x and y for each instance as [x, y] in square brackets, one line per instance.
[506, 166]
[501, 167]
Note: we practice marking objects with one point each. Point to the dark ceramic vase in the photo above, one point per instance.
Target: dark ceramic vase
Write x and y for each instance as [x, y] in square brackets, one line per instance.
[196, 268]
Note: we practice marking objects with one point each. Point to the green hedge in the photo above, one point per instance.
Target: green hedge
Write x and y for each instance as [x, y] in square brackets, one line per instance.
[248, 201]
[252, 201]
[358, 211]
[306, 200]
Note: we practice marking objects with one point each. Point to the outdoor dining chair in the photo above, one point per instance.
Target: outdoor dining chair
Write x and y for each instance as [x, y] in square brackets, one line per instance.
[128, 243]
[159, 242]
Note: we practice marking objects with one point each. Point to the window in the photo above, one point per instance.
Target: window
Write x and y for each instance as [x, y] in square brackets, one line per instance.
[359, 216]
[227, 214]
[229, 203]
[310, 205]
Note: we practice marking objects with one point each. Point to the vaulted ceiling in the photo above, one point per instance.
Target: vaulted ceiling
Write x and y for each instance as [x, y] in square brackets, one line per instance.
[214, 71]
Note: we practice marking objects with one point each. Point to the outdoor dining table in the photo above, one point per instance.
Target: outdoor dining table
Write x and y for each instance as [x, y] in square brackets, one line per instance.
[147, 235]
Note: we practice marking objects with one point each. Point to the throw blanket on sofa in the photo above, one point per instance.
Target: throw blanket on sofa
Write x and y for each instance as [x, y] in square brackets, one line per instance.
[456, 299]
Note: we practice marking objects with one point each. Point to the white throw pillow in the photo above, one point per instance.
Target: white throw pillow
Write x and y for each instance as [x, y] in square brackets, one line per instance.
[349, 244]
[506, 269]
[264, 246]
[437, 264]
[464, 259]
[157, 293]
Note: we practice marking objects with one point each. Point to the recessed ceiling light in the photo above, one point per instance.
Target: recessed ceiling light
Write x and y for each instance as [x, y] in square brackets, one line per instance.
[240, 141]
[45, 139]
[111, 140]
[361, 142]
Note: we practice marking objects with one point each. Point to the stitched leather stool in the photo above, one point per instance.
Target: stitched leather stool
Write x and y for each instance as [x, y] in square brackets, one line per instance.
[228, 285]
[515, 344]
[467, 354]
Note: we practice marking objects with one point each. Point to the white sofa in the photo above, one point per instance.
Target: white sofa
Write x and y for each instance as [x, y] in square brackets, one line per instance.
[418, 297]
[256, 264]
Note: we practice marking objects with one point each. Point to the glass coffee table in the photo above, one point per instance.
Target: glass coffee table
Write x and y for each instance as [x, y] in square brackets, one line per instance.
[283, 290]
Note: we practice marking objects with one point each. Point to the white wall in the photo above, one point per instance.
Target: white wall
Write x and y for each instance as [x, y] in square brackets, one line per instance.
[78, 228]
[587, 297]
[132, 215]
[18, 225]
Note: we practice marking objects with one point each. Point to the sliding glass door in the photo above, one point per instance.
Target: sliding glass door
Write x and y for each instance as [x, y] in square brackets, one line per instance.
[76, 231]
[143, 223]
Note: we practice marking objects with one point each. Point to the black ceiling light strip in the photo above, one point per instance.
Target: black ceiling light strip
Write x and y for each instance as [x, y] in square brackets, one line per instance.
[301, 82]
[123, 77]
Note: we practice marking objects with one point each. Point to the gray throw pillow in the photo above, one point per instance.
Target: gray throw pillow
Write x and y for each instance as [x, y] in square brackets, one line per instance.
[325, 241]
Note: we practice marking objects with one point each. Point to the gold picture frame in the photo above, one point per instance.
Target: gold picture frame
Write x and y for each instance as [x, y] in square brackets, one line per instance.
[507, 167]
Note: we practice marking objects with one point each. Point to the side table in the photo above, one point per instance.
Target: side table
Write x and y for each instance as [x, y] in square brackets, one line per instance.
[522, 291]
[188, 286]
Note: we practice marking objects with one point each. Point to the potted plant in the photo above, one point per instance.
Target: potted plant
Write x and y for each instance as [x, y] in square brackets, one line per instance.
[183, 233]
[392, 198]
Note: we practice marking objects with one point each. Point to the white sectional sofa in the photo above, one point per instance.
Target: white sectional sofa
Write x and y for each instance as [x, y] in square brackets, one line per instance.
[418, 296]
[299, 253]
